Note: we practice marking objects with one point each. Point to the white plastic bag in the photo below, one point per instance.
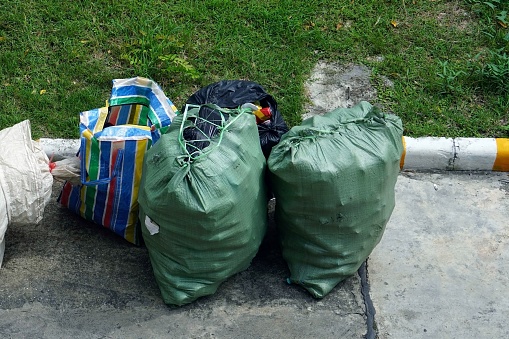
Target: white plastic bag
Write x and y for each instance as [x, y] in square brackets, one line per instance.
[68, 169]
[25, 178]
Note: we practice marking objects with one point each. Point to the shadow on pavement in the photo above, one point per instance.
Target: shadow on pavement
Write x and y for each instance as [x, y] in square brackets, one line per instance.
[67, 277]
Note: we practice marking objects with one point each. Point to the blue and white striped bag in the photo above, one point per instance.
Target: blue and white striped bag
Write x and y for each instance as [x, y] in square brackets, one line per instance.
[114, 140]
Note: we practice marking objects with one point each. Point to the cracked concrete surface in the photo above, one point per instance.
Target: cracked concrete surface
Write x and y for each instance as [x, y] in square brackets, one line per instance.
[442, 267]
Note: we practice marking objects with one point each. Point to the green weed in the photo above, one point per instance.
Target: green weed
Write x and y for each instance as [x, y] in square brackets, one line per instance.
[491, 66]
[153, 53]
[449, 78]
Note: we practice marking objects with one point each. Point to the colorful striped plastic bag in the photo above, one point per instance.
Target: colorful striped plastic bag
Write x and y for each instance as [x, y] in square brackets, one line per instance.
[114, 140]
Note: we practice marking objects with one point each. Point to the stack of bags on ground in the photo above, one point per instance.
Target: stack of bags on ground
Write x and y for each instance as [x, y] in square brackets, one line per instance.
[193, 185]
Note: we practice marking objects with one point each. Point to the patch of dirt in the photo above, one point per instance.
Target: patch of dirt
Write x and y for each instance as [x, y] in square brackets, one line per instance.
[333, 85]
[454, 16]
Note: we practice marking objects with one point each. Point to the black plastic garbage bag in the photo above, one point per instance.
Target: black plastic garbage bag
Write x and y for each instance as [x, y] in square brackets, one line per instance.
[235, 93]
[205, 126]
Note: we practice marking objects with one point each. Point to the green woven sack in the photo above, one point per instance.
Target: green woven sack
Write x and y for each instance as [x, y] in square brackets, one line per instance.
[203, 209]
[333, 178]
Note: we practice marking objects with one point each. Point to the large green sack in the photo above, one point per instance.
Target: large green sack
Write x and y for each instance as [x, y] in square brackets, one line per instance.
[333, 178]
[203, 211]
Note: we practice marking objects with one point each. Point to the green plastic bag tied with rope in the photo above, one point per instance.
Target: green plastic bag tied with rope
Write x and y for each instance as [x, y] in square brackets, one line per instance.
[333, 178]
[202, 201]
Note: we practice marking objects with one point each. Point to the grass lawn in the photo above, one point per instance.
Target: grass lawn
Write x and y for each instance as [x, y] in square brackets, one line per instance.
[58, 58]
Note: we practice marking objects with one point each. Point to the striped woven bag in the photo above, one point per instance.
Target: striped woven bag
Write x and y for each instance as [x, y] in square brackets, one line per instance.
[114, 140]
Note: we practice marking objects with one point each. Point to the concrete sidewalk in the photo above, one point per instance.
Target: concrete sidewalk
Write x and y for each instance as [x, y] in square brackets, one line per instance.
[442, 267]
[68, 278]
[440, 271]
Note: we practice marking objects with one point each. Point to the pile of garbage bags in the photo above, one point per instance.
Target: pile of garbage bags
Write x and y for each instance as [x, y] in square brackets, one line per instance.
[203, 201]
[193, 185]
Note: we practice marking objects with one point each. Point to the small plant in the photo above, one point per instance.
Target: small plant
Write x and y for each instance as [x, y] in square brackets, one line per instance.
[496, 70]
[157, 54]
[449, 78]
[172, 63]
[492, 66]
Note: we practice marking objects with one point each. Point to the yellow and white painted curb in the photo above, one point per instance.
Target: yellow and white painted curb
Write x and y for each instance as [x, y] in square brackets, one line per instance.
[459, 154]
[421, 154]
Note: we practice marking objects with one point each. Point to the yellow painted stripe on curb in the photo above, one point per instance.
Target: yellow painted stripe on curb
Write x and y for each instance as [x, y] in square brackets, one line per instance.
[402, 160]
[502, 161]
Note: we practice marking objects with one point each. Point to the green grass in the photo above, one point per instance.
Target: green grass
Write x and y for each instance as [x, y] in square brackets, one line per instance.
[58, 58]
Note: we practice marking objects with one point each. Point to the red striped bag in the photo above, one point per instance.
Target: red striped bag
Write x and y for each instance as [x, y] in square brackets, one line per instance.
[114, 140]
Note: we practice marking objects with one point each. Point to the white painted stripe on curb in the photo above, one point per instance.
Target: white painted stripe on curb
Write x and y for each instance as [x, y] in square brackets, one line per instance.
[475, 154]
[428, 153]
[60, 148]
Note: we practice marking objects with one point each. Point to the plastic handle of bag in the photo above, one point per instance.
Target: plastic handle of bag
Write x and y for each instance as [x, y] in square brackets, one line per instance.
[104, 181]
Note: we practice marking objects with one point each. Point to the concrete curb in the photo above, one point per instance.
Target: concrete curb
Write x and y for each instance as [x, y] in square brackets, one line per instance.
[424, 154]
[459, 154]
[58, 149]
